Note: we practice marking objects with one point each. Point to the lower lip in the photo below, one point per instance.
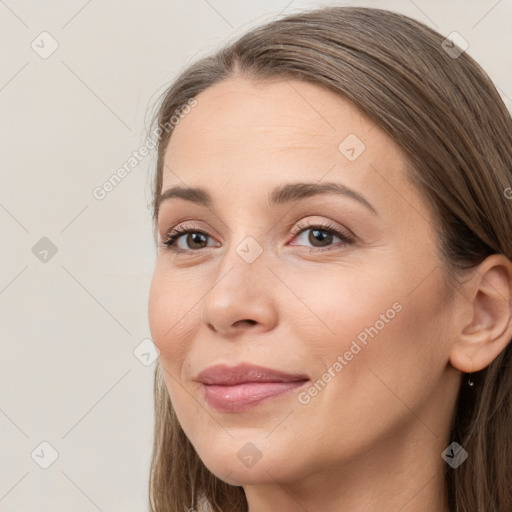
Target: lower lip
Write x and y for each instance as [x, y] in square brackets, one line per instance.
[244, 396]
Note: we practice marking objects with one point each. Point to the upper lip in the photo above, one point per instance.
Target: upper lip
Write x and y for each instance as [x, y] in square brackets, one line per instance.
[224, 375]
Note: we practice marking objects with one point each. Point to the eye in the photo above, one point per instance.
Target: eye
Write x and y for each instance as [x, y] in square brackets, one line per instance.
[195, 239]
[321, 236]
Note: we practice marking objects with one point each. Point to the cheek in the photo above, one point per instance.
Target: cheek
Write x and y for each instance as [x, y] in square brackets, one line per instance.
[338, 306]
[171, 313]
[374, 323]
[390, 343]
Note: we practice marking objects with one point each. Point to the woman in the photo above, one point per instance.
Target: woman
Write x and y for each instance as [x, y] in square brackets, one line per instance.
[332, 292]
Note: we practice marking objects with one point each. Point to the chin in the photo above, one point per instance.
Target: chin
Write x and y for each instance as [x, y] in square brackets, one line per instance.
[247, 463]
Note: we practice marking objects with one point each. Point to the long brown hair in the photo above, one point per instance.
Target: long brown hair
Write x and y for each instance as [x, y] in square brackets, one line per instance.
[455, 132]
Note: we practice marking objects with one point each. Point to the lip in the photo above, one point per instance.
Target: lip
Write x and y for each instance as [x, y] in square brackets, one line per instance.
[237, 388]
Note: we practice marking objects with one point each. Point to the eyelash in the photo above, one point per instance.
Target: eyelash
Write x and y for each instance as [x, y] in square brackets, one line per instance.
[178, 232]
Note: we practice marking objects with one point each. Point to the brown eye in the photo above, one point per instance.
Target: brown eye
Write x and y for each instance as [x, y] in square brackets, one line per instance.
[322, 237]
[194, 240]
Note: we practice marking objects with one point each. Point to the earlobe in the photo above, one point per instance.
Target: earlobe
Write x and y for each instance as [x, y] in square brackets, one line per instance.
[488, 295]
[460, 359]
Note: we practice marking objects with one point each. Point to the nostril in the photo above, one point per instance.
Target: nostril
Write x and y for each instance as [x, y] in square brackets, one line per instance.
[249, 321]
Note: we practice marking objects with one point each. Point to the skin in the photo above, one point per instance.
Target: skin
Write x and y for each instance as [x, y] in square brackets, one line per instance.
[372, 438]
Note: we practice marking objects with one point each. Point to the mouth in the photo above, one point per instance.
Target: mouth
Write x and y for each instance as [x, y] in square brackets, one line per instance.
[238, 388]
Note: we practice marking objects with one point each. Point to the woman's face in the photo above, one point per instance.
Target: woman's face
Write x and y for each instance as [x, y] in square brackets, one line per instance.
[362, 318]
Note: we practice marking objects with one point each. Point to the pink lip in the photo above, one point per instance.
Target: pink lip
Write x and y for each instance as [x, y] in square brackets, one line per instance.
[236, 388]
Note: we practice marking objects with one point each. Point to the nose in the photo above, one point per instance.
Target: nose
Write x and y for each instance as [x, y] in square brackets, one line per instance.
[242, 298]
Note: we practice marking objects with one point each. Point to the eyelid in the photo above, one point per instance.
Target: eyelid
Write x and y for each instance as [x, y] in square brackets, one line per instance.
[185, 224]
[328, 225]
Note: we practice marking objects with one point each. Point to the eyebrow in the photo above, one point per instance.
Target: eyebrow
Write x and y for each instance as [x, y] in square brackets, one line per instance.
[280, 195]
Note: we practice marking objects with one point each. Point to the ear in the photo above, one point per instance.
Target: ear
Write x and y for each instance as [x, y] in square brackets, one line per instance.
[485, 326]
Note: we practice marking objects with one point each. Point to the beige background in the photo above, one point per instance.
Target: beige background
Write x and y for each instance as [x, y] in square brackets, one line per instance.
[70, 323]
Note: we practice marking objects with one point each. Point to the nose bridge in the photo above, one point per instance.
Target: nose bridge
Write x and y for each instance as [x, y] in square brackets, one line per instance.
[242, 290]
[246, 248]
[244, 268]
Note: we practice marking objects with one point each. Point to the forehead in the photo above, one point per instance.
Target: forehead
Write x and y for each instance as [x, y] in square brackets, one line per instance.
[277, 114]
[252, 136]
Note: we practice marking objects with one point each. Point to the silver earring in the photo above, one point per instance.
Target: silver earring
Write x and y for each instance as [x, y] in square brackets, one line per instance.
[470, 382]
